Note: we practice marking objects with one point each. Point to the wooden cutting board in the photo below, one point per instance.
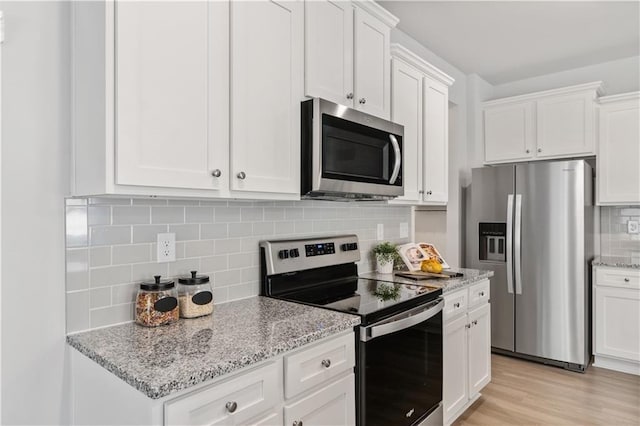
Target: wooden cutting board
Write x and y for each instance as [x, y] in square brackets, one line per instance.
[418, 275]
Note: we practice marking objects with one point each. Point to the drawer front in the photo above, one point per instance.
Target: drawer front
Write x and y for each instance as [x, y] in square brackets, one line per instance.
[333, 404]
[618, 277]
[251, 393]
[312, 366]
[479, 294]
[455, 304]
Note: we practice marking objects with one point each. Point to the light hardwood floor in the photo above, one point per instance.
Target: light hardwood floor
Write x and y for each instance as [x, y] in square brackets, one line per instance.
[526, 393]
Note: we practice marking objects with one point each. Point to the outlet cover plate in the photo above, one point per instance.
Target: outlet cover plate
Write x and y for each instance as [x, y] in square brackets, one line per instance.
[166, 247]
[404, 230]
[380, 232]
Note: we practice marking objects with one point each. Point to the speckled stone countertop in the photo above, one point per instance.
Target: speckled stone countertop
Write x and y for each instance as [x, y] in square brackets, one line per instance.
[617, 261]
[470, 276]
[163, 360]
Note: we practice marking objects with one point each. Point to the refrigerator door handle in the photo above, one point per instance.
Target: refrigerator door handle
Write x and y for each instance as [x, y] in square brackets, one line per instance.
[517, 243]
[510, 244]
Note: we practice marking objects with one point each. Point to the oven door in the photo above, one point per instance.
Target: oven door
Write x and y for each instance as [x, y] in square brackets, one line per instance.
[400, 368]
[356, 153]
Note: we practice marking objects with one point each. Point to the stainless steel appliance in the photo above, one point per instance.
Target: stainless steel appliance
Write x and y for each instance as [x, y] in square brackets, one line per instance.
[399, 343]
[532, 224]
[349, 155]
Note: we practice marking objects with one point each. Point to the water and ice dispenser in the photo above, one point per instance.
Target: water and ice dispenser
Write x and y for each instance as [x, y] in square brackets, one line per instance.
[493, 242]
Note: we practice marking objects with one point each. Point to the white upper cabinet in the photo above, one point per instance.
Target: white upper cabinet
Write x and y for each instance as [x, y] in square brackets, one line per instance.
[156, 112]
[420, 102]
[557, 123]
[619, 150]
[162, 136]
[329, 50]
[267, 88]
[347, 59]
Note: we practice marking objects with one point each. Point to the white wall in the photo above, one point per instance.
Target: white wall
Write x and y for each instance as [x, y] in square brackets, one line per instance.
[35, 164]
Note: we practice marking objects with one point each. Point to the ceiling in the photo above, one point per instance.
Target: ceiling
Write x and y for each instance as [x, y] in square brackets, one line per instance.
[504, 41]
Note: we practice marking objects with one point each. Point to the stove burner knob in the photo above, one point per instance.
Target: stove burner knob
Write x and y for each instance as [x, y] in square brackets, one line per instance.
[353, 246]
[344, 247]
[294, 253]
[283, 254]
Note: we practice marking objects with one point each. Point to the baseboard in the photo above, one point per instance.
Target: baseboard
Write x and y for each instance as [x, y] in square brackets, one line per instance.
[623, 366]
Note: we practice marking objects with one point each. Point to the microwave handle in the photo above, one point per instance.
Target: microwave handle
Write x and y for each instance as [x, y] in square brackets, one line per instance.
[398, 159]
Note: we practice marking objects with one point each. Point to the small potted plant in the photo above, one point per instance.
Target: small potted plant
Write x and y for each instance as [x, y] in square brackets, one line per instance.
[386, 255]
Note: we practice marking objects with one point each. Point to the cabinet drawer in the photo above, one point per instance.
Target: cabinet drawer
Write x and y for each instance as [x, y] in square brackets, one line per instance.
[455, 304]
[479, 294]
[252, 393]
[618, 277]
[317, 364]
[333, 404]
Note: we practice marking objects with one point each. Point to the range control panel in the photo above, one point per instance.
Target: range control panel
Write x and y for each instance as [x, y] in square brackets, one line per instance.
[282, 256]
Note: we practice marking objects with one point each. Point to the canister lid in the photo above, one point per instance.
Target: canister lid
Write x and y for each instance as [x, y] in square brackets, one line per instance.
[157, 284]
[194, 279]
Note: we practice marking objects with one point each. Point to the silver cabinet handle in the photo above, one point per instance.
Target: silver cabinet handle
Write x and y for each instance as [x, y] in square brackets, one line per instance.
[467, 326]
[297, 423]
[456, 305]
[481, 293]
[326, 363]
[528, 151]
[241, 175]
[421, 192]
[626, 280]
[350, 95]
[397, 159]
[402, 321]
[216, 173]
[362, 101]
[510, 243]
[475, 322]
[539, 149]
[231, 406]
[429, 192]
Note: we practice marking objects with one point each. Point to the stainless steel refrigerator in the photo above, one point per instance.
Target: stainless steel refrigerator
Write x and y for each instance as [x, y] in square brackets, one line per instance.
[532, 224]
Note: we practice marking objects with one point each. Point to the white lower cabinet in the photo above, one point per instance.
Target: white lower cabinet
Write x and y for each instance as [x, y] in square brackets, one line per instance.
[616, 319]
[466, 347]
[314, 385]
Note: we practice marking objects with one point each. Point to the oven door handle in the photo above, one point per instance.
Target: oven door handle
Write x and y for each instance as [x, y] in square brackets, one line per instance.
[398, 159]
[402, 321]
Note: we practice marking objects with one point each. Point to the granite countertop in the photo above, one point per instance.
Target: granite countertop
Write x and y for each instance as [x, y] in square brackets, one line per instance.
[617, 261]
[470, 276]
[163, 360]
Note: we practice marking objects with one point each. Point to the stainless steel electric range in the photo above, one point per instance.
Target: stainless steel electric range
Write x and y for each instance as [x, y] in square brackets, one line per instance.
[399, 343]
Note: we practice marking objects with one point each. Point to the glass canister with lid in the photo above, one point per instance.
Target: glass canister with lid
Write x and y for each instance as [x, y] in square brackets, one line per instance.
[195, 296]
[157, 303]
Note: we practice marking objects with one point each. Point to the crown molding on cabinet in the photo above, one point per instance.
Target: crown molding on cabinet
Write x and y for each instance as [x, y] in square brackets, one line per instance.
[631, 96]
[596, 86]
[401, 52]
[378, 11]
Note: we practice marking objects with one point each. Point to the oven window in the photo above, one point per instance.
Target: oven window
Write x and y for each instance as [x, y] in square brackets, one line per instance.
[357, 153]
[400, 375]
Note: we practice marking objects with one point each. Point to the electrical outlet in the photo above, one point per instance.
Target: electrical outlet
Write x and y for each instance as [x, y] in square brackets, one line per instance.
[380, 232]
[166, 247]
[632, 227]
[404, 230]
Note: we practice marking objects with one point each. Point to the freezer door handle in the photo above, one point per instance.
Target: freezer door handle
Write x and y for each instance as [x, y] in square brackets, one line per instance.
[517, 240]
[510, 243]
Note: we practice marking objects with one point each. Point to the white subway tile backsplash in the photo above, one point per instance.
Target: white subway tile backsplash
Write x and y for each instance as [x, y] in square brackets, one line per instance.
[167, 214]
[131, 215]
[215, 237]
[137, 253]
[100, 256]
[109, 235]
[110, 275]
[147, 233]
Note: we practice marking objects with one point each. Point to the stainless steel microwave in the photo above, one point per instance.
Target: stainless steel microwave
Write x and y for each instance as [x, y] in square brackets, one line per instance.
[349, 155]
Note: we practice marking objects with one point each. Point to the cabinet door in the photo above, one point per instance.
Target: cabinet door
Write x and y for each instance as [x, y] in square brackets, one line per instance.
[565, 126]
[479, 348]
[372, 65]
[267, 70]
[329, 50]
[617, 322]
[273, 418]
[164, 96]
[619, 153]
[455, 368]
[406, 109]
[334, 404]
[508, 132]
[436, 144]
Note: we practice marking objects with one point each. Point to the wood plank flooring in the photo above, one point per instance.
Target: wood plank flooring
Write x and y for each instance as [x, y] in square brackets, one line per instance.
[526, 393]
